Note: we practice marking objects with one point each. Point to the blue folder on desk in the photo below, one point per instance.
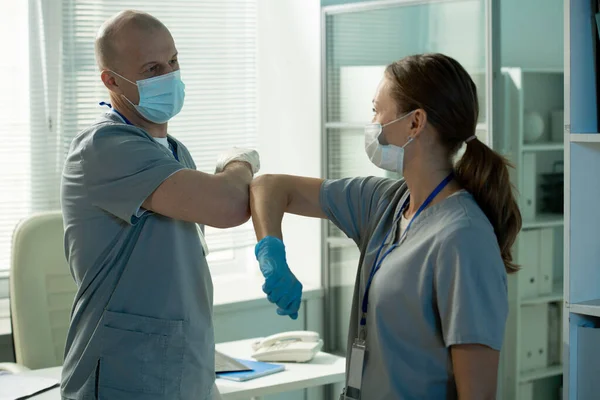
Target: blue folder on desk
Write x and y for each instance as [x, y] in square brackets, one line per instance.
[258, 369]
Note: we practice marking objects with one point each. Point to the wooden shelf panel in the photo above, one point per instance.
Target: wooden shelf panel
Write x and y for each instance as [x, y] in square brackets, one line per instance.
[544, 221]
[541, 373]
[537, 147]
[555, 296]
[585, 137]
[590, 308]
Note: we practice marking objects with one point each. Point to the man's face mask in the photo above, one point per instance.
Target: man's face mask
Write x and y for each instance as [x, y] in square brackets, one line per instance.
[388, 157]
[161, 97]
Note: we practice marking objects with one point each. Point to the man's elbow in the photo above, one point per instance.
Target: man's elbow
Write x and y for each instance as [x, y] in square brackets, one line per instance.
[236, 211]
[237, 217]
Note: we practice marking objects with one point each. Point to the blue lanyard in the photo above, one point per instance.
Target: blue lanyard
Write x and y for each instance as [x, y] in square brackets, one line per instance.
[103, 103]
[377, 263]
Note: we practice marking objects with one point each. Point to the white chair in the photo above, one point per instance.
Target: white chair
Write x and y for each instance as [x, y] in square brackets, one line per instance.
[41, 292]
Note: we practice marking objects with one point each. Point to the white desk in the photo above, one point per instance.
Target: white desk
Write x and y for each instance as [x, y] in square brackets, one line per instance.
[324, 369]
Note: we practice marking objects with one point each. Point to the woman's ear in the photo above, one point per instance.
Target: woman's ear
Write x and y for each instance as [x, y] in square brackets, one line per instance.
[418, 122]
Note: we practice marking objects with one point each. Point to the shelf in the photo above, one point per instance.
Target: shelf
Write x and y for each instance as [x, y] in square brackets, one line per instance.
[340, 242]
[591, 308]
[556, 295]
[540, 373]
[542, 71]
[533, 70]
[585, 137]
[357, 125]
[544, 221]
[345, 125]
[543, 147]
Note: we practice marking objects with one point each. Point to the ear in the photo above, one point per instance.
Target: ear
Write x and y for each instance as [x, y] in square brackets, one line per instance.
[418, 121]
[110, 82]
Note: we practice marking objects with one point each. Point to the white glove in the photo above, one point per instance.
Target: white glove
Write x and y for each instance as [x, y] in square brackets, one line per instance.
[239, 154]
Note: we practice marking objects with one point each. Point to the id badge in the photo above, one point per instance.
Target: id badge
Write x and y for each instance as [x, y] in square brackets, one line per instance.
[355, 370]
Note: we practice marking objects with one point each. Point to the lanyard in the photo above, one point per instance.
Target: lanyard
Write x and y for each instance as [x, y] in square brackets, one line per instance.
[377, 263]
[102, 103]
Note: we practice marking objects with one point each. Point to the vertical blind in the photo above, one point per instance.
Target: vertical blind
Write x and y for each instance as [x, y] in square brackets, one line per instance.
[15, 199]
[216, 40]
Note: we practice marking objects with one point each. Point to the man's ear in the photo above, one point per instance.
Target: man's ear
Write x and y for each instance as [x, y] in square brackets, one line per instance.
[110, 82]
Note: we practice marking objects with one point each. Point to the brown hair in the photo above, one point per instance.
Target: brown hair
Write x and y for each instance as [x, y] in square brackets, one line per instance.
[439, 85]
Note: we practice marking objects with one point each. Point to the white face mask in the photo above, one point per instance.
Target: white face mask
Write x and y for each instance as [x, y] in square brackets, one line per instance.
[388, 157]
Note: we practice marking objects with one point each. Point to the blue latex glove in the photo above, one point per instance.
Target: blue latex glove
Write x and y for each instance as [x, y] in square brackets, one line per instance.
[281, 286]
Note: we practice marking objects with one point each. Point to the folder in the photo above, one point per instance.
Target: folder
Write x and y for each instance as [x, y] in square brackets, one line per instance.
[258, 369]
[21, 386]
[528, 194]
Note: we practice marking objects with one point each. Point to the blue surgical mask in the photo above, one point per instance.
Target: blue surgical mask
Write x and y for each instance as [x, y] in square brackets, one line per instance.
[385, 156]
[161, 97]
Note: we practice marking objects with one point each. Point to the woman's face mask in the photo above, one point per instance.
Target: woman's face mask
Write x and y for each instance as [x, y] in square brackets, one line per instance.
[388, 156]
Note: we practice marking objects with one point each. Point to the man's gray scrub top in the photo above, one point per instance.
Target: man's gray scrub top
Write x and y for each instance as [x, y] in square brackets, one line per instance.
[141, 325]
[444, 285]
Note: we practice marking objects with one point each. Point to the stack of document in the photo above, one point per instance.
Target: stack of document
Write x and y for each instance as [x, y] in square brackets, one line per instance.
[20, 386]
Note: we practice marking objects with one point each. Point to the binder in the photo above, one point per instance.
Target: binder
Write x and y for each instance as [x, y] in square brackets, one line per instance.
[528, 253]
[528, 206]
[259, 369]
[546, 264]
[534, 337]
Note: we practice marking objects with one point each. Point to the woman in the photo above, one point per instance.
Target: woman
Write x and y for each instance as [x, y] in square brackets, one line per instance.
[430, 301]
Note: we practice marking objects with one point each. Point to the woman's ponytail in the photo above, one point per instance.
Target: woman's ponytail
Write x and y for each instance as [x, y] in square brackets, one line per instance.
[484, 173]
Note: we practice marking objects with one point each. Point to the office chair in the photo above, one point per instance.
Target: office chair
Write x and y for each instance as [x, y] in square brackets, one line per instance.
[41, 292]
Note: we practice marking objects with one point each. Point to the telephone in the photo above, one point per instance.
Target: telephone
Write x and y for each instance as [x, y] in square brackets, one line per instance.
[295, 346]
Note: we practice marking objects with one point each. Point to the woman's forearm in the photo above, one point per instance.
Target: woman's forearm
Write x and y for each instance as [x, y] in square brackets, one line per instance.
[269, 198]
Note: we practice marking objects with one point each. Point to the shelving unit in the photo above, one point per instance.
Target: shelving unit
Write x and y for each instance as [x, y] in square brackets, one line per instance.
[581, 325]
[531, 352]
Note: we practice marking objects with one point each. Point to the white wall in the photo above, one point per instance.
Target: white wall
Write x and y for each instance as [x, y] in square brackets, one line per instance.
[532, 33]
[289, 116]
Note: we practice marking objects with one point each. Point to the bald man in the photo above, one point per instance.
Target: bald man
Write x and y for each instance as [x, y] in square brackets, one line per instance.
[134, 208]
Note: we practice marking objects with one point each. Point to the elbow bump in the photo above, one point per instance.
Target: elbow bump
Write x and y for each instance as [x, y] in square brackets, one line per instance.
[263, 180]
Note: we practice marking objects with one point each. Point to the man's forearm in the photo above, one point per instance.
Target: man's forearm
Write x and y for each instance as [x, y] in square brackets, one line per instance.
[268, 203]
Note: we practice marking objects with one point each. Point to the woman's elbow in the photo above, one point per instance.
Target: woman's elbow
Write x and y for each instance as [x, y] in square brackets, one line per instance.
[263, 182]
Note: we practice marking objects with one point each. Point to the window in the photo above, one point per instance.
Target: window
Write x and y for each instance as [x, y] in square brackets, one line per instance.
[216, 41]
[15, 181]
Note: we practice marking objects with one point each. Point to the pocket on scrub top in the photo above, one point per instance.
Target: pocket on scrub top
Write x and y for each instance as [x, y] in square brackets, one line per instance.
[141, 354]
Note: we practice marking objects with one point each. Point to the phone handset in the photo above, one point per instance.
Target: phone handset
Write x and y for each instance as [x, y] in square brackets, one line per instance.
[295, 346]
[297, 336]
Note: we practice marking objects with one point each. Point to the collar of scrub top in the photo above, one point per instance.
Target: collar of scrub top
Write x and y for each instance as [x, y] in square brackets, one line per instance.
[377, 263]
[114, 110]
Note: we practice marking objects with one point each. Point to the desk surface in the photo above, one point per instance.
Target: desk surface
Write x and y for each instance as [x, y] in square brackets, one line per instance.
[324, 369]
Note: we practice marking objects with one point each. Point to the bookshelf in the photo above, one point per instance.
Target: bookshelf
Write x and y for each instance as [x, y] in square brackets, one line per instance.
[533, 132]
[581, 325]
